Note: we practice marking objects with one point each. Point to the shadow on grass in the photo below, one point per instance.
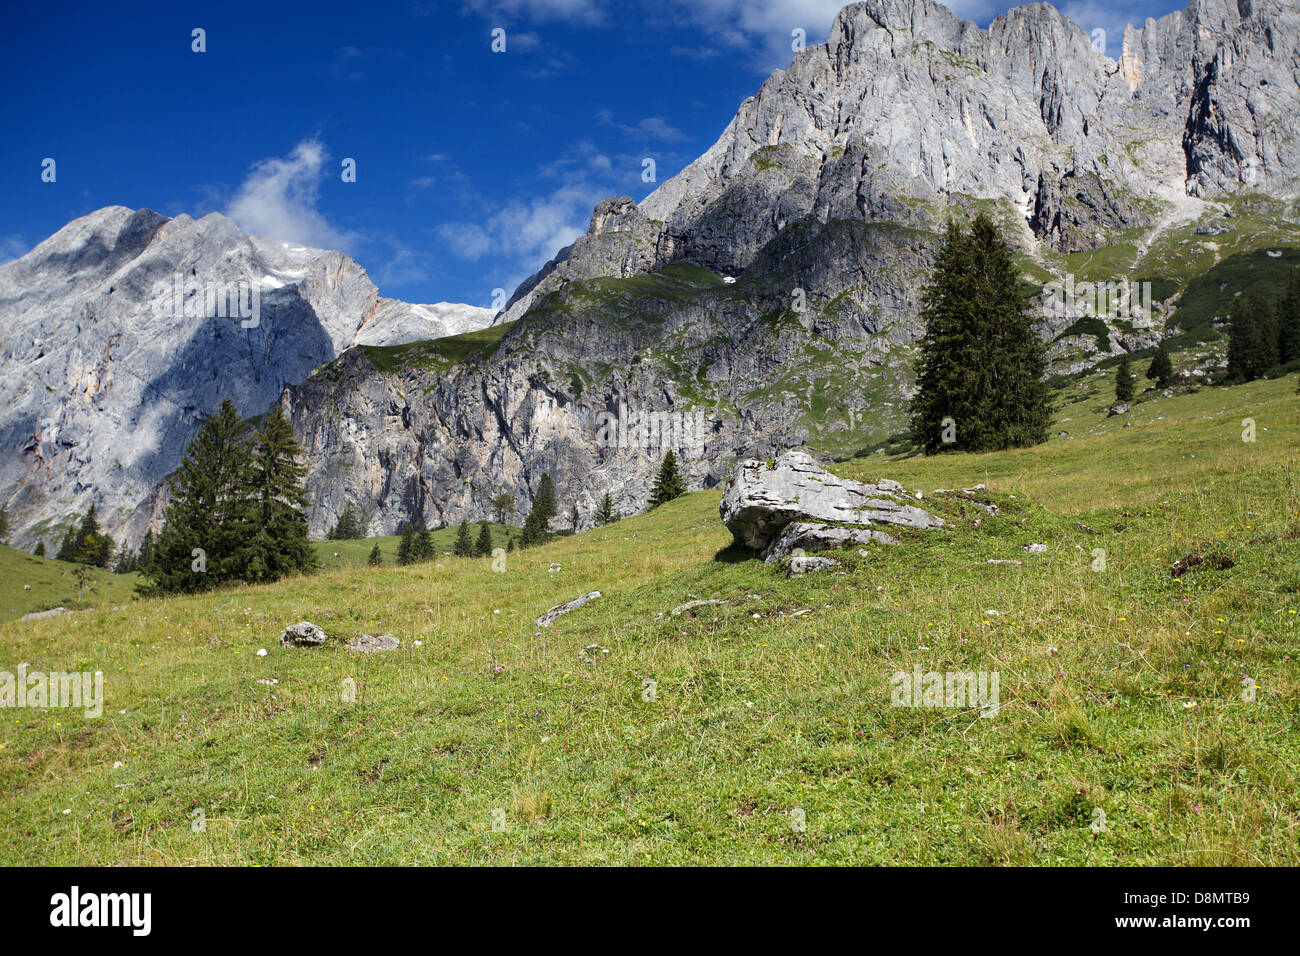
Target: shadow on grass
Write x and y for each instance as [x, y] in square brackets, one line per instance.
[735, 553]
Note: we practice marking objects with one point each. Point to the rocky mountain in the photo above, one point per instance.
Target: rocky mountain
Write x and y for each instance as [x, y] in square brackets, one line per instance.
[765, 298]
[121, 332]
[769, 291]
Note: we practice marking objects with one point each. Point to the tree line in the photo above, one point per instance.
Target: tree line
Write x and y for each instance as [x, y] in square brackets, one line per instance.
[236, 509]
[1264, 334]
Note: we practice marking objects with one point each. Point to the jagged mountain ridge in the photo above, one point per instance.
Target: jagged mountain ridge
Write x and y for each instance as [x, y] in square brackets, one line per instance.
[907, 106]
[104, 385]
[831, 181]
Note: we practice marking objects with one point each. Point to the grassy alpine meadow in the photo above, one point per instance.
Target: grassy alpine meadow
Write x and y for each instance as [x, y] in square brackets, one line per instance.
[1149, 714]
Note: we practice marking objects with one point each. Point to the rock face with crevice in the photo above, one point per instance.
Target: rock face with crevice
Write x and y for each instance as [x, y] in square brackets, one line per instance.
[103, 380]
[792, 503]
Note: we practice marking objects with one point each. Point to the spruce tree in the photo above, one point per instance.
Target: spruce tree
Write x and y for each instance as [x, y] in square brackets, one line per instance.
[1123, 381]
[40, 549]
[534, 529]
[980, 367]
[406, 547]
[1288, 321]
[605, 510]
[68, 547]
[545, 501]
[4, 525]
[668, 483]
[464, 547]
[1161, 368]
[376, 557]
[203, 541]
[537, 524]
[348, 527]
[483, 546]
[1252, 338]
[277, 543]
[144, 555]
[422, 549]
[85, 543]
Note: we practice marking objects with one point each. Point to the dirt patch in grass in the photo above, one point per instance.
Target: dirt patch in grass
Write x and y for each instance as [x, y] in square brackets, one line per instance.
[1219, 562]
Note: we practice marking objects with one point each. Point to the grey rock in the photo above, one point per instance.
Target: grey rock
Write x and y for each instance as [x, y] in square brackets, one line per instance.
[561, 609]
[764, 497]
[100, 391]
[809, 537]
[1119, 408]
[52, 612]
[1036, 548]
[807, 565]
[689, 605]
[371, 643]
[303, 634]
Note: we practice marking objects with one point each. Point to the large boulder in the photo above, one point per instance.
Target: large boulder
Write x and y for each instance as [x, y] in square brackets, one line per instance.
[303, 634]
[808, 536]
[767, 496]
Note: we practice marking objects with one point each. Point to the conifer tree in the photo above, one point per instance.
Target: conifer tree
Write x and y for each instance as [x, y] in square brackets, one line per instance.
[464, 547]
[348, 527]
[545, 501]
[1123, 381]
[483, 546]
[277, 543]
[668, 483]
[537, 524]
[422, 549]
[406, 547]
[203, 541]
[68, 547]
[376, 556]
[4, 525]
[85, 543]
[1288, 321]
[1161, 368]
[144, 554]
[605, 510]
[980, 366]
[40, 549]
[510, 545]
[1252, 338]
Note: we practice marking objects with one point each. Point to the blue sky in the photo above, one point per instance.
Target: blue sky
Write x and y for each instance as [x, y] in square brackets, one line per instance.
[473, 167]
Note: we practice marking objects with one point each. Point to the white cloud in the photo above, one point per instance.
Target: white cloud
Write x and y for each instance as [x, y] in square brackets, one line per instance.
[651, 128]
[278, 200]
[524, 234]
[11, 248]
[763, 28]
[573, 11]
[467, 240]
[1111, 17]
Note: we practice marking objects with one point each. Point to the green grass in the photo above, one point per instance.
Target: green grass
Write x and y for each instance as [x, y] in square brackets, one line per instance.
[1120, 688]
[438, 353]
[351, 553]
[53, 585]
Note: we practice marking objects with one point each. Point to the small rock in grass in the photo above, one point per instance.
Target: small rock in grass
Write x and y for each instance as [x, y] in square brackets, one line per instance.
[561, 609]
[371, 643]
[303, 634]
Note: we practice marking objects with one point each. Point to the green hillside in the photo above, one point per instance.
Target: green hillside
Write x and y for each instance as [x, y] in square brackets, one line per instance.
[29, 583]
[769, 736]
